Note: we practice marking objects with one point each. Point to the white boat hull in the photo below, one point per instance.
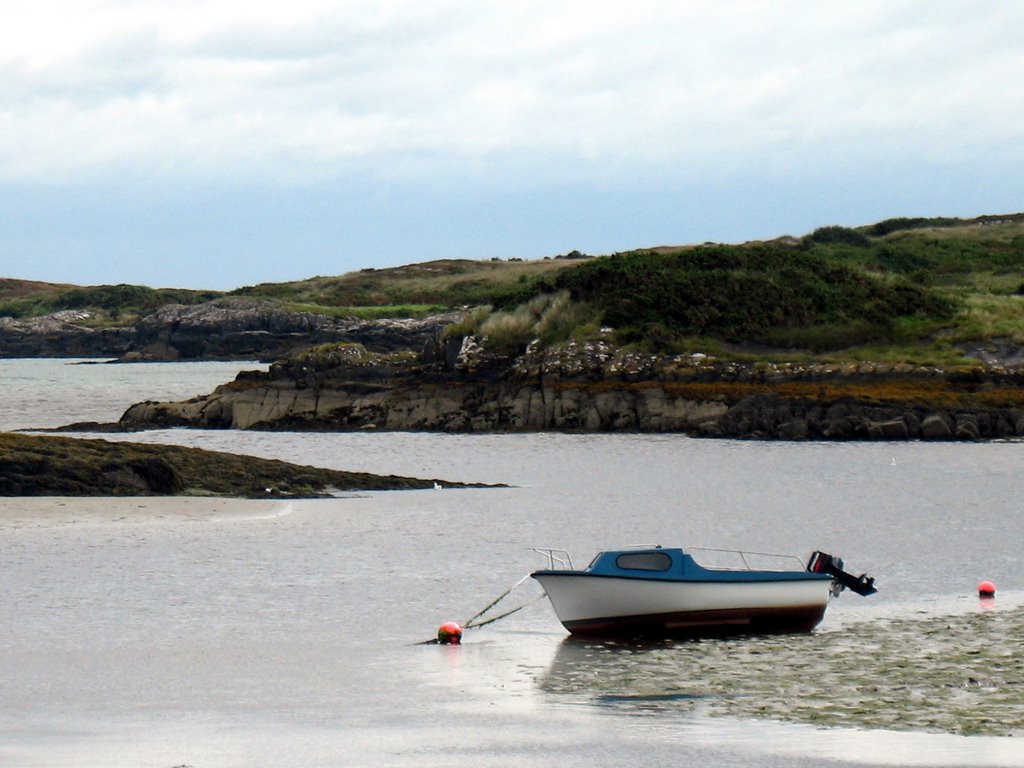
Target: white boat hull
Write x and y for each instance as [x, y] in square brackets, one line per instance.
[606, 605]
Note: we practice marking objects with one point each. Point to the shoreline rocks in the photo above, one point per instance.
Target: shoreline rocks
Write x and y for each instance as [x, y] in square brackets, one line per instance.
[246, 329]
[456, 386]
[62, 334]
[222, 329]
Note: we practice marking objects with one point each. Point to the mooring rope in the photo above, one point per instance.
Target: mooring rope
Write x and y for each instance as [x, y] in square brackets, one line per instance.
[503, 615]
[474, 624]
[494, 602]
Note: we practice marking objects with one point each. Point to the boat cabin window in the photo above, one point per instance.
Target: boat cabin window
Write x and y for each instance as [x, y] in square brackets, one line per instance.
[644, 561]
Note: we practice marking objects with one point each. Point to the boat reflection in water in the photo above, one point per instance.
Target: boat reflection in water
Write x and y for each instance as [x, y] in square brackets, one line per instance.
[638, 676]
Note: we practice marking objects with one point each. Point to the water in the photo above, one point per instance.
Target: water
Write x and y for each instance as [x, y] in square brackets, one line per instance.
[51, 393]
[209, 632]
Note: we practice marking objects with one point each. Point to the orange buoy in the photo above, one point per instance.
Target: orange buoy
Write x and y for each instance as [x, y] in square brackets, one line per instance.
[986, 589]
[450, 633]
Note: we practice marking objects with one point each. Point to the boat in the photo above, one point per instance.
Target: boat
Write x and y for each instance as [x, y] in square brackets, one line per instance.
[655, 591]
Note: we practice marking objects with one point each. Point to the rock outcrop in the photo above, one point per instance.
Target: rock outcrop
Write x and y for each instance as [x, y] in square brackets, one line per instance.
[222, 329]
[458, 387]
[61, 334]
[245, 329]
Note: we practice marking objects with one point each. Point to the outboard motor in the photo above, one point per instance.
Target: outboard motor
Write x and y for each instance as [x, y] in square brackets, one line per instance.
[821, 562]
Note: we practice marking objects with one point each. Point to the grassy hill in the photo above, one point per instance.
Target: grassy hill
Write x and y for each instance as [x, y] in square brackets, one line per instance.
[108, 304]
[902, 288]
[765, 294]
[413, 289]
[907, 289]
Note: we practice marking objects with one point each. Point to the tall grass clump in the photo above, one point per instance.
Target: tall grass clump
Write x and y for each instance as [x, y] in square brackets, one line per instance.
[508, 331]
[548, 318]
[470, 324]
[513, 330]
[563, 318]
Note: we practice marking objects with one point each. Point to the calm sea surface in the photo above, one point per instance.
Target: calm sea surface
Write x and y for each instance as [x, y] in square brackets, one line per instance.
[209, 632]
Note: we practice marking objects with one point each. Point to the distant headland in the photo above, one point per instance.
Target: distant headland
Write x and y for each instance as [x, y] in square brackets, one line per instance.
[910, 328]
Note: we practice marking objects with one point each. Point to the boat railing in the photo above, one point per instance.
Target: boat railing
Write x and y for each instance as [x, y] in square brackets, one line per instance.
[558, 559]
[750, 561]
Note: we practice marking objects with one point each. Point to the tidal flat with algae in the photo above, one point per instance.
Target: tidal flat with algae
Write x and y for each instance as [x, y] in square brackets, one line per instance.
[958, 674]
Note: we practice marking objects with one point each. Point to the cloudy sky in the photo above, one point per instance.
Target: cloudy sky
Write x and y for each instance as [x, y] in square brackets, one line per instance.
[224, 143]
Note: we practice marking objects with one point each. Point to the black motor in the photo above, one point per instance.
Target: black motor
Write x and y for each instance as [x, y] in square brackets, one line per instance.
[822, 562]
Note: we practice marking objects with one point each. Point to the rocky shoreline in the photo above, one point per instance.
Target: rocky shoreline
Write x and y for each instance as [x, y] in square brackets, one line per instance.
[222, 329]
[596, 387]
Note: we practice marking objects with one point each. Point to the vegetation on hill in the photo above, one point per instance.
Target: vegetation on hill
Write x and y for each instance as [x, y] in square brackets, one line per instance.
[903, 287]
[547, 317]
[28, 298]
[988, 258]
[129, 299]
[764, 294]
[415, 288]
[110, 304]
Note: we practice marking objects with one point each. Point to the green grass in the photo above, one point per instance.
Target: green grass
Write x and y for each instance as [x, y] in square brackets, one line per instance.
[108, 305]
[449, 283]
[384, 311]
[911, 288]
[764, 294]
[988, 316]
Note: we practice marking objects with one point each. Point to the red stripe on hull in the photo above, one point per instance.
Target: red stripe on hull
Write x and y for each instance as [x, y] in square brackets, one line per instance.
[713, 623]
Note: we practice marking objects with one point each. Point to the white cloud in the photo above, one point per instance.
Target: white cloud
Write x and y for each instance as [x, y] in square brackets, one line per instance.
[287, 91]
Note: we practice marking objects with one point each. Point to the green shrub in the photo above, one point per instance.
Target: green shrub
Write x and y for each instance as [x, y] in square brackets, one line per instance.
[744, 294]
[21, 308]
[836, 234]
[135, 297]
[888, 226]
[903, 259]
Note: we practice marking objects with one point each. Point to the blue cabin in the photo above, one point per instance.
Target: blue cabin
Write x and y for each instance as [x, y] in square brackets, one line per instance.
[674, 564]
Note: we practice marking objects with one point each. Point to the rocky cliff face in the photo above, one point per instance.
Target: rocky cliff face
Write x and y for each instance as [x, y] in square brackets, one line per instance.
[244, 329]
[62, 334]
[224, 329]
[457, 387]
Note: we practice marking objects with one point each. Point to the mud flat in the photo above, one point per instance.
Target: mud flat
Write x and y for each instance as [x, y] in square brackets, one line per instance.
[957, 674]
[32, 465]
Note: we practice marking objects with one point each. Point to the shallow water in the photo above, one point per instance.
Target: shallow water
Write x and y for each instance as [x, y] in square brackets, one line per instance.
[45, 393]
[153, 632]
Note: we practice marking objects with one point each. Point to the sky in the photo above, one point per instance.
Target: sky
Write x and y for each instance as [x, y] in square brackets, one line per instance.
[225, 143]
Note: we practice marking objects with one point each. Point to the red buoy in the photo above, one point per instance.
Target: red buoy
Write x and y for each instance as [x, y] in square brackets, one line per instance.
[986, 589]
[450, 633]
